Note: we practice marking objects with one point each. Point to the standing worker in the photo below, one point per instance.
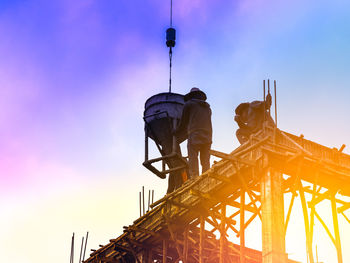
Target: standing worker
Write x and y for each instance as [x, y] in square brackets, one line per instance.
[196, 121]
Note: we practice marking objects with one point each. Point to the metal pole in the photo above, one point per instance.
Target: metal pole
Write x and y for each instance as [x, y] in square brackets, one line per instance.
[152, 196]
[149, 199]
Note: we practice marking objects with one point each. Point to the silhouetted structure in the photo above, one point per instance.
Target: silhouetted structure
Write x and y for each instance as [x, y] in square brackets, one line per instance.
[191, 224]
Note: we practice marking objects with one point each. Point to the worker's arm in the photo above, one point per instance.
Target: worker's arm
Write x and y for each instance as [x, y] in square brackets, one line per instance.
[182, 126]
[240, 122]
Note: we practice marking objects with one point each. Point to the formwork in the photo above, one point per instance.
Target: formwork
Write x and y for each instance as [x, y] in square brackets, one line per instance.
[192, 223]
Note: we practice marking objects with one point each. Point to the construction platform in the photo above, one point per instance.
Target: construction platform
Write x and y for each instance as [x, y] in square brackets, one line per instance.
[191, 224]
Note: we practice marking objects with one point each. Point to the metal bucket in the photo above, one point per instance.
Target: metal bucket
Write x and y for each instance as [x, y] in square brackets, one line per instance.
[162, 112]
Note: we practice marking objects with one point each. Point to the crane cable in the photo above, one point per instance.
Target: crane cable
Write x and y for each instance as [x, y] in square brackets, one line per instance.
[170, 46]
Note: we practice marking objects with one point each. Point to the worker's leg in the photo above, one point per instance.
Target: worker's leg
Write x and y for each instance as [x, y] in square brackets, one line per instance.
[193, 150]
[205, 156]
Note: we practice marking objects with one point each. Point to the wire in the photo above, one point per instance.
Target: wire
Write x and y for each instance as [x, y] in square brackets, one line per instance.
[170, 65]
[170, 50]
[171, 13]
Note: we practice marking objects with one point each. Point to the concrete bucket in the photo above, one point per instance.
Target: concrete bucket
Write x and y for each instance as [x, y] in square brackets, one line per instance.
[162, 114]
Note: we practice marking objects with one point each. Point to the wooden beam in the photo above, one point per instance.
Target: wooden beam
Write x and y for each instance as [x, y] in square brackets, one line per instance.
[165, 250]
[229, 157]
[172, 235]
[325, 227]
[306, 223]
[336, 229]
[201, 240]
[222, 234]
[242, 228]
[272, 217]
[135, 228]
[185, 248]
[343, 208]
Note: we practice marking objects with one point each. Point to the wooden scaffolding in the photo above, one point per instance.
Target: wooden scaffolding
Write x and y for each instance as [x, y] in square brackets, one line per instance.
[192, 223]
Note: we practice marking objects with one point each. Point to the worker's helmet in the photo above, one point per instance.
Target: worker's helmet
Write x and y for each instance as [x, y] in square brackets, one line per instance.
[241, 107]
[195, 93]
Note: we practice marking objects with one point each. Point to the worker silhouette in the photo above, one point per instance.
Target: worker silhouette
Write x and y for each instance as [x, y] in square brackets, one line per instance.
[250, 117]
[196, 122]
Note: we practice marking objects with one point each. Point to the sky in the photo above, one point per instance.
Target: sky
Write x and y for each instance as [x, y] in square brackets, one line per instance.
[74, 76]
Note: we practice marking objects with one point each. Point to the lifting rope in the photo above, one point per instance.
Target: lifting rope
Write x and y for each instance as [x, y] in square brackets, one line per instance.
[170, 41]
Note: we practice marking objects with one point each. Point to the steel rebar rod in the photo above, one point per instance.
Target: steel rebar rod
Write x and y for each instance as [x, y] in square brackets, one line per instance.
[81, 249]
[86, 239]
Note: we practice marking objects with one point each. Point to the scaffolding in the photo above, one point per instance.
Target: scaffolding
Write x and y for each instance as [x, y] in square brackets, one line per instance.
[192, 223]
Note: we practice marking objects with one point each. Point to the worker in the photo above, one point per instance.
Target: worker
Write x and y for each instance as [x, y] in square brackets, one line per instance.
[251, 116]
[196, 121]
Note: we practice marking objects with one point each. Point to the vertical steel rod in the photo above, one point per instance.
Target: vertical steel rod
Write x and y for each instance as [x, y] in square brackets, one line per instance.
[152, 196]
[264, 102]
[86, 239]
[149, 199]
[143, 200]
[81, 249]
[275, 102]
[336, 229]
[140, 203]
[73, 248]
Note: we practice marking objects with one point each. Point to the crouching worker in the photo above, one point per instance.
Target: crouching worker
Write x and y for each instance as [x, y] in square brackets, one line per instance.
[196, 121]
[250, 117]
